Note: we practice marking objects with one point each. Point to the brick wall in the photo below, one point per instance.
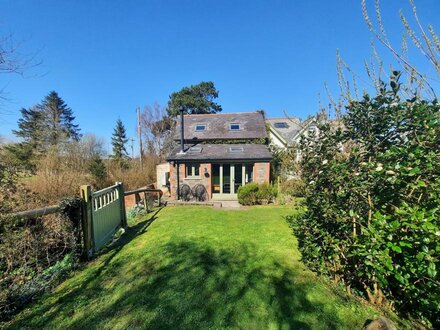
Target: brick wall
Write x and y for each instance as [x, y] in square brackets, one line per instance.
[262, 172]
[261, 175]
[202, 179]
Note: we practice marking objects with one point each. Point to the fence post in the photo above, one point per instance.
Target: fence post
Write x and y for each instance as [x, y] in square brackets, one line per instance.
[146, 202]
[122, 203]
[158, 198]
[86, 195]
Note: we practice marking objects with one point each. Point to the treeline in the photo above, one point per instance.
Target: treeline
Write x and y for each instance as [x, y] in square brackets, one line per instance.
[53, 158]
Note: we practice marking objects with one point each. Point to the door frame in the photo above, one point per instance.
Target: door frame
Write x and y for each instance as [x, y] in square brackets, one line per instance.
[233, 194]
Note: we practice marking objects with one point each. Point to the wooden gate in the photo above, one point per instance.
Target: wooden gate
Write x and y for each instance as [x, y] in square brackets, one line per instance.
[104, 215]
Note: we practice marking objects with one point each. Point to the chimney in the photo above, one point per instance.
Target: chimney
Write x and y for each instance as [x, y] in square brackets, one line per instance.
[182, 130]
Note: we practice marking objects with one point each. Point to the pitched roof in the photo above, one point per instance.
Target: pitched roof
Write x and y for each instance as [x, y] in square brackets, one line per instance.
[212, 152]
[290, 131]
[252, 126]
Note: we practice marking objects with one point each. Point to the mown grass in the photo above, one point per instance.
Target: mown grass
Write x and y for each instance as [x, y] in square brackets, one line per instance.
[198, 268]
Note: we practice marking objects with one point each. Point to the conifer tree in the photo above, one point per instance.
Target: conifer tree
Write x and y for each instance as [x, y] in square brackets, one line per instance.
[43, 126]
[119, 139]
[58, 121]
[30, 125]
[98, 171]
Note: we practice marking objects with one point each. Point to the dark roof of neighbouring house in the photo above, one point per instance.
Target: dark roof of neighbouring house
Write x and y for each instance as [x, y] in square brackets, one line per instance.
[213, 152]
[294, 126]
[252, 126]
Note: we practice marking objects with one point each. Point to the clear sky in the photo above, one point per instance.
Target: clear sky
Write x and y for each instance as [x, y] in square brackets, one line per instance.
[107, 57]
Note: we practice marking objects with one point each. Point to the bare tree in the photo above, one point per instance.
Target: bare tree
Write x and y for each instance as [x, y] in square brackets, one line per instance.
[424, 39]
[12, 61]
[426, 43]
[157, 130]
[92, 145]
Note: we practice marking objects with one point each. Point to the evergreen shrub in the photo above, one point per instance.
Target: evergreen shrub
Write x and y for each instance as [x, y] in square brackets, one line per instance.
[254, 193]
[372, 196]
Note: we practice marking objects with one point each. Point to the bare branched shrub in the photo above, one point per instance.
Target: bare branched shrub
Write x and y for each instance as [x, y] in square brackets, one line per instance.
[157, 130]
[132, 176]
[55, 178]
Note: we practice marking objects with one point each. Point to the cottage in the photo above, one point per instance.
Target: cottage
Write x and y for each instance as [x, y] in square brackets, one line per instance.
[218, 153]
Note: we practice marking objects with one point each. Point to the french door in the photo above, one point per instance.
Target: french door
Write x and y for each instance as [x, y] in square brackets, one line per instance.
[227, 178]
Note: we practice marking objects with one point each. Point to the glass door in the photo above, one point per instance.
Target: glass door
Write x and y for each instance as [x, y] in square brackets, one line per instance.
[227, 178]
[238, 177]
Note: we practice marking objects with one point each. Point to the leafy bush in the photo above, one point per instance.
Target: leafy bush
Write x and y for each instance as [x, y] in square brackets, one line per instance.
[373, 194]
[292, 187]
[247, 194]
[266, 192]
[135, 212]
[254, 193]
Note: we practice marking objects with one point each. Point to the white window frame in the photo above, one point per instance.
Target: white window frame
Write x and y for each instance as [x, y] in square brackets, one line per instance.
[192, 168]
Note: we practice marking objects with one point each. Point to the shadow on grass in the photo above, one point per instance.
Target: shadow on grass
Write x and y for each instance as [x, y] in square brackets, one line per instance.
[186, 284]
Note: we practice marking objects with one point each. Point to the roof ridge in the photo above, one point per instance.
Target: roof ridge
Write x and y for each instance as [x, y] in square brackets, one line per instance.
[220, 114]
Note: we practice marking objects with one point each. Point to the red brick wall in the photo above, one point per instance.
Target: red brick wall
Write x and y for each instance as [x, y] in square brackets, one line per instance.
[261, 175]
[202, 179]
[262, 172]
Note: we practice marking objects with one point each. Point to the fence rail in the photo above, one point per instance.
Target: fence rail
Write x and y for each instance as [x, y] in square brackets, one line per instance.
[35, 213]
[102, 213]
[145, 192]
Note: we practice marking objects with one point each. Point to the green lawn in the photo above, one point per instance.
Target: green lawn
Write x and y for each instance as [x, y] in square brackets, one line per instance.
[199, 268]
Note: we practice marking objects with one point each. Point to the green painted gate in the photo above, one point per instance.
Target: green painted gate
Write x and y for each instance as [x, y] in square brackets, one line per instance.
[105, 214]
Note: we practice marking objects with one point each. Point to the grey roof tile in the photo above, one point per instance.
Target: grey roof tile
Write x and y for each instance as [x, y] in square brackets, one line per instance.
[213, 152]
[288, 133]
[252, 126]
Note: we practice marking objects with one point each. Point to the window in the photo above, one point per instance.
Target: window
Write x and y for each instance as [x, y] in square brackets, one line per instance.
[234, 127]
[195, 150]
[200, 127]
[192, 170]
[236, 149]
[281, 125]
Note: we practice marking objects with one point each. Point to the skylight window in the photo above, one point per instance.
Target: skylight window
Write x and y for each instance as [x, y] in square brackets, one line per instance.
[200, 127]
[234, 127]
[195, 150]
[236, 149]
[281, 124]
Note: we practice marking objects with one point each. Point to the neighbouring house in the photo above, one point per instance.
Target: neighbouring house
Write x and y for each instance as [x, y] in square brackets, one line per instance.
[217, 154]
[286, 133]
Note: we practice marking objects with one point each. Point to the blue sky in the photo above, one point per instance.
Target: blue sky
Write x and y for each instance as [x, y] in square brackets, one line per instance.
[105, 58]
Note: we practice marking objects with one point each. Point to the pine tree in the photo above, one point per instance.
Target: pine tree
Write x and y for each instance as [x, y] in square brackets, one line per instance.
[58, 121]
[43, 126]
[98, 171]
[30, 131]
[119, 139]
[30, 126]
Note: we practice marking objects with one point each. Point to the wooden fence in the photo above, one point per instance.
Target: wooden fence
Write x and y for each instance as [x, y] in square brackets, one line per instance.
[102, 213]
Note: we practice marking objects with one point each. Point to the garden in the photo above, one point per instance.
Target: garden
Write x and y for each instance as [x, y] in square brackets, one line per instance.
[199, 267]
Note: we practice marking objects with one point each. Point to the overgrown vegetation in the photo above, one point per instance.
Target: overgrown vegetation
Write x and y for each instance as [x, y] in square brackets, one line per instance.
[35, 253]
[372, 189]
